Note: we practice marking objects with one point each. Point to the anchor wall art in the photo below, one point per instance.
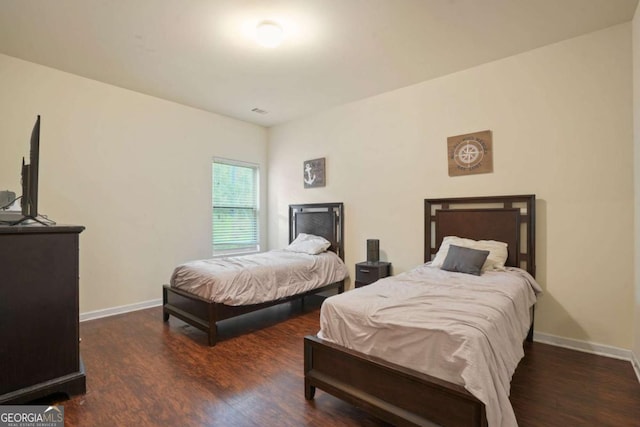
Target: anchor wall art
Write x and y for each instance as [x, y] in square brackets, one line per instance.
[313, 173]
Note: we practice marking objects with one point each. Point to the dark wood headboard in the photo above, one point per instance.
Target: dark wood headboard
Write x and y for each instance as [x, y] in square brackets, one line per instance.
[509, 219]
[321, 219]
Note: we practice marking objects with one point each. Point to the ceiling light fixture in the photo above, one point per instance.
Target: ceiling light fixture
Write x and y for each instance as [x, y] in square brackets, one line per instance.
[269, 34]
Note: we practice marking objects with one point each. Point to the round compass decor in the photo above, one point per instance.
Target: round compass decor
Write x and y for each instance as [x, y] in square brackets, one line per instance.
[470, 153]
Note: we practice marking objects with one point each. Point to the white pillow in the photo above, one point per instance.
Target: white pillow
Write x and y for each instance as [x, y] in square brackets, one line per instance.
[308, 244]
[497, 251]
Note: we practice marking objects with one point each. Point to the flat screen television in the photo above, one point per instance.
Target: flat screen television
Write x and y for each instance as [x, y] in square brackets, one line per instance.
[29, 201]
[30, 175]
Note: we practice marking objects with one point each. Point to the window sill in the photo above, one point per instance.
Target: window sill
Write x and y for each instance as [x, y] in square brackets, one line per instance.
[234, 254]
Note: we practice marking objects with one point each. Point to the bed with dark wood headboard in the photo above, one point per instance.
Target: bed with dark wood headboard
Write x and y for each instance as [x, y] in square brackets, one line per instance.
[400, 395]
[509, 219]
[320, 219]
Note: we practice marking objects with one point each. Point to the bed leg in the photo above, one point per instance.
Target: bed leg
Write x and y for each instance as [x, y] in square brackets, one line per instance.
[533, 317]
[530, 334]
[213, 335]
[309, 390]
[213, 326]
[165, 315]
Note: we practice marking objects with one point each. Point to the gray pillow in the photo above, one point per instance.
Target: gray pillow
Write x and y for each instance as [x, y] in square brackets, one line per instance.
[464, 260]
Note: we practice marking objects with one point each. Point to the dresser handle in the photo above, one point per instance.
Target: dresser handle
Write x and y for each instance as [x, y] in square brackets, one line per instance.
[364, 271]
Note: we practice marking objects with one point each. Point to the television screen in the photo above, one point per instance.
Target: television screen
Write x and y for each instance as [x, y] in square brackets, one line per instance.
[30, 175]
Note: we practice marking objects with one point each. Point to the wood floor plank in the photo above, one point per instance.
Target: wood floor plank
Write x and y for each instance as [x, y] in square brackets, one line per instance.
[144, 372]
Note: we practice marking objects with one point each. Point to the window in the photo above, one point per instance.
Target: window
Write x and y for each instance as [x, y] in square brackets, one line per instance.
[235, 207]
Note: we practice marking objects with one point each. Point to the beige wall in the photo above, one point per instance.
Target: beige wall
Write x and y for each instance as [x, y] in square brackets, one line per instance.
[133, 169]
[636, 157]
[561, 118]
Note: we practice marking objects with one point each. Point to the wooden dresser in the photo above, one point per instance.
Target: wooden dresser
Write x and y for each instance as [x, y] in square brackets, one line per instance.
[39, 313]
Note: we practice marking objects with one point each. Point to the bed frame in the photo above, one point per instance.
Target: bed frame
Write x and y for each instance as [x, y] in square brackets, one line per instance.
[402, 396]
[321, 219]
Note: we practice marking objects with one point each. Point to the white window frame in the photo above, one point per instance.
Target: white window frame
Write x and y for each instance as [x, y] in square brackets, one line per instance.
[254, 248]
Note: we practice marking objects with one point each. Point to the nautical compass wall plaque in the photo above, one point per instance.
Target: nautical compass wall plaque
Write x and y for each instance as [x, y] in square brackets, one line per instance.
[313, 173]
[470, 154]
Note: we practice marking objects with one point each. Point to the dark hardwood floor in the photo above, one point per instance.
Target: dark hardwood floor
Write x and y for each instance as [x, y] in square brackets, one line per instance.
[142, 371]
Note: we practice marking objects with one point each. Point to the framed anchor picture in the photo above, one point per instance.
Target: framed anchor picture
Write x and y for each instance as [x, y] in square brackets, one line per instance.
[313, 173]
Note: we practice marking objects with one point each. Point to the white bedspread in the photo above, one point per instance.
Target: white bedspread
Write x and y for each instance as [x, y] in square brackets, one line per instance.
[256, 278]
[458, 327]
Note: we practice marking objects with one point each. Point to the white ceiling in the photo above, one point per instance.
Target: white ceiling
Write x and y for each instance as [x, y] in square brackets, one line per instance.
[198, 53]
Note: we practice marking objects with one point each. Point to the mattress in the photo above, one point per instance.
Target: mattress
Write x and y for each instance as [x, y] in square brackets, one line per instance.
[257, 278]
[461, 328]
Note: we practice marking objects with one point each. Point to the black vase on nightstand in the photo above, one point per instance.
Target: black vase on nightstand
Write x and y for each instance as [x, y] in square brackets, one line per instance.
[373, 250]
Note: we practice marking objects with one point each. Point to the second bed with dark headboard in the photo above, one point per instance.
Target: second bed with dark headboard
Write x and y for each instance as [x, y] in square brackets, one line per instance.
[398, 393]
[325, 220]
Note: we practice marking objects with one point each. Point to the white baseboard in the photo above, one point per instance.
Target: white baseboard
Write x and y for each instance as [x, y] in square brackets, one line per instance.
[585, 346]
[91, 315]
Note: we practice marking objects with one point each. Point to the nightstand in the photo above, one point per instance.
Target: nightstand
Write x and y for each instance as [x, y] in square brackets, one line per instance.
[369, 272]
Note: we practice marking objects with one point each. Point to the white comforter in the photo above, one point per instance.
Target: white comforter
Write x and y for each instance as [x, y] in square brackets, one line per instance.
[461, 328]
[257, 278]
